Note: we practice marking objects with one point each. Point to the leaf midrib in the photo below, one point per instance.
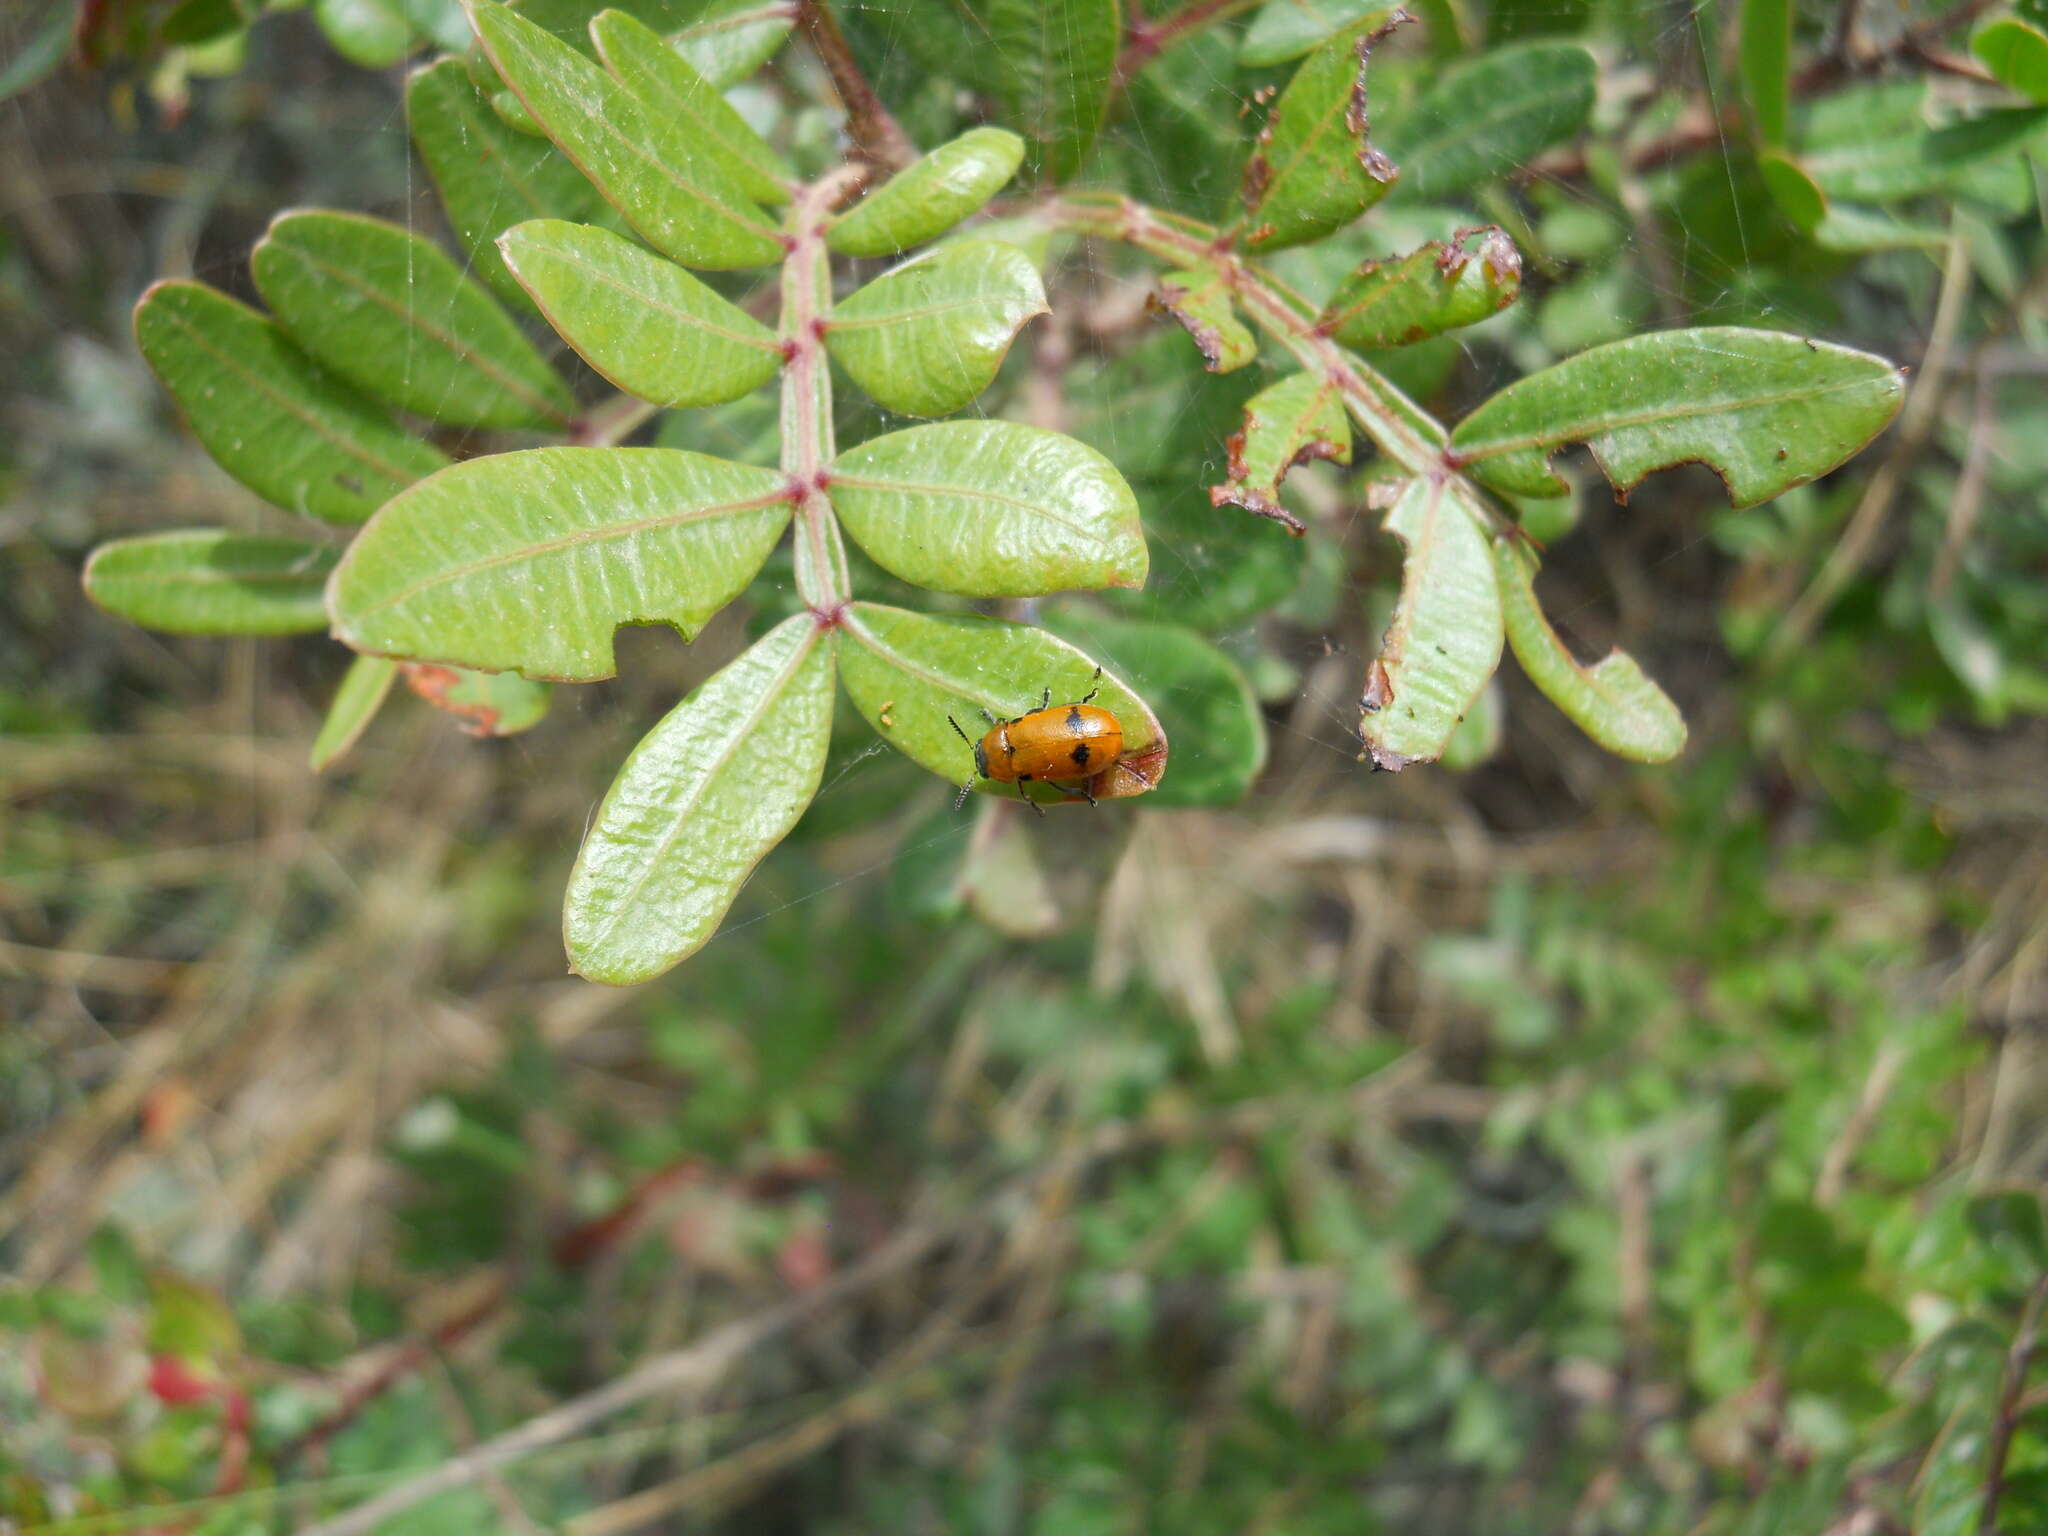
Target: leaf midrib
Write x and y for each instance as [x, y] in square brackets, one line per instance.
[765, 342]
[1033, 509]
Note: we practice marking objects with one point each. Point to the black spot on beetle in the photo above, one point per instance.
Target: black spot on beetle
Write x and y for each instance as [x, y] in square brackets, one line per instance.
[1080, 755]
[1073, 717]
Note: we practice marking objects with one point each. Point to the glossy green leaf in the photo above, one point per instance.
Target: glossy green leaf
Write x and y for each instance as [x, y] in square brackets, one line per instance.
[208, 581]
[679, 191]
[364, 688]
[647, 325]
[990, 509]
[667, 83]
[927, 198]
[1313, 167]
[1491, 116]
[1286, 29]
[1445, 639]
[1199, 299]
[270, 417]
[1797, 194]
[389, 312]
[372, 34]
[529, 561]
[1285, 424]
[489, 176]
[1055, 63]
[1613, 701]
[2017, 53]
[1890, 168]
[484, 703]
[927, 337]
[1766, 67]
[908, 672]
[727, 40]
[701, 800]
[1762, 409]
[1436, 288]
[1202, 699]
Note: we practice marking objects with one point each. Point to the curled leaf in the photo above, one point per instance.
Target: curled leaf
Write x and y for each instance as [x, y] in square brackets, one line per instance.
[1436, 288]
[1613, 701]
[1300, 418]
[1199, 298]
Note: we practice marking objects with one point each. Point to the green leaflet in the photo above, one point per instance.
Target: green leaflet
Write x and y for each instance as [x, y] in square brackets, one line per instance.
[529, 561]
[1439, 287]
[1445, 639]
[647, 325]
[1199, 299]
[1763, 409]
[1613, 701]
[208, 581]
[678, 191]
[270, 417]
[1491, 116]
[1286, 29]
[927, 337]
[372, 34]
[990, 509]
[727, 40]
[907, 672]
[1313, 168]
[1888, 168]
[364, 688]
[489, 176]
[1766, 58]
[485, 703]
[389, 312]
[1055, 64]
[666, 83]
[927, 198]
[1202, 698]
[2017, 53]
[1285, 424]
[701, 800]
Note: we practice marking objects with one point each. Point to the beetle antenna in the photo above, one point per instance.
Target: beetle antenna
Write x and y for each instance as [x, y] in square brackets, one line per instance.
[958, 732]
[965, 790]
[1097, 681]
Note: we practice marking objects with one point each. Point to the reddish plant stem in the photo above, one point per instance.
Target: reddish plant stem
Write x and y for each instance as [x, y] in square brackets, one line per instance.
[2010, 1395]
[877, 136]
[807, 444]
[1145, 40]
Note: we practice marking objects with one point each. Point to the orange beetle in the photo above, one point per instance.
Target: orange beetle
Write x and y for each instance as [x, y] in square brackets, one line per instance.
[1054, 744]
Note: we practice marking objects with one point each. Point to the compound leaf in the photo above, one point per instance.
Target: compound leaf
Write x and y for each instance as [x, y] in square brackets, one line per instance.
[1199, 299]
[1203, 700]
[667, 83]
[1763, 409]
[1436, 288]
[684, 194]
[647, 325]
[990, 509]
[389, 312]
[908, 672]
[929, 197]
[270, 417]
[208, 581]
[1613, 701]
[1445, 639]
[364, 688]
[700, 801]
[928, 337]
[1286, 29]
[1313, 168]
[1491, 116]
[1285, 424]
[489, 175]
[1056, 67]
[529, 561]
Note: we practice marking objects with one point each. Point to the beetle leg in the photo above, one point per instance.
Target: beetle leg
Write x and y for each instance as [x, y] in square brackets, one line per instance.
[1027, 799]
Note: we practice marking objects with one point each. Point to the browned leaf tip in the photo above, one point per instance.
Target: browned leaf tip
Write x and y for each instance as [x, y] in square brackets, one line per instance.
[1372, 161]
[437, 684]
[1207, 337]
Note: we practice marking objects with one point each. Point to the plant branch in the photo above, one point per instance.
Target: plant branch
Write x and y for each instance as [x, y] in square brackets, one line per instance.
[1145, 40]
[807, 445]
[877, 136]
[2010, 1394]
